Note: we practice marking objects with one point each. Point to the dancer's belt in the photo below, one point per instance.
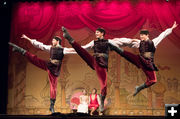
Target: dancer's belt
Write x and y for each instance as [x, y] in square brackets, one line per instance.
[99, 54]
[148, 55]
[54, 61]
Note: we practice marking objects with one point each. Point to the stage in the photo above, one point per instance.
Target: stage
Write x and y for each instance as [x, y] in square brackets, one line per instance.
[77, 116]
[25, 88]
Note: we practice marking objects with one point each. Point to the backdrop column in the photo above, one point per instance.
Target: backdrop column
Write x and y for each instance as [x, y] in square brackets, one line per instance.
[149, 96]
[116, 86]
[63, 94]
[63, 81]
[117, 95]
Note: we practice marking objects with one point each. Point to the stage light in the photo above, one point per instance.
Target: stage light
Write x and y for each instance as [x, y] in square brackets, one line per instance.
[4, 3]
[167, 0]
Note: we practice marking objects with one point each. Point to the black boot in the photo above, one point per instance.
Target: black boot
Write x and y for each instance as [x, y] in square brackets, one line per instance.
[67, 36]
[116, 49]
[17, 48]
[102, 98]
[52, 101]
[139, 88]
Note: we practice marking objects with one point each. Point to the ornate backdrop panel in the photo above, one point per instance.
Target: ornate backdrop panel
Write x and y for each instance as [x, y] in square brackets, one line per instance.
[28, 91]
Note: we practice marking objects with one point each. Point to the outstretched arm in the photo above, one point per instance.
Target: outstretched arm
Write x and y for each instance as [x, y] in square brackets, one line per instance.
[88, 46]
[164, 34]
[25, 37]
[37, 44]
[69, 51]
[72, 51]
[122, 42]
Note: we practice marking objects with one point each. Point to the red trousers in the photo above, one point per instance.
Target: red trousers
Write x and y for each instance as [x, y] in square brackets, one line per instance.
[43, 65]
[90, 60]
[135, 59]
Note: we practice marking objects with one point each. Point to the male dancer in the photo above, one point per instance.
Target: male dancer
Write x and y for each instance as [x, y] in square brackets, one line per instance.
[145, 60]
[52, 66]
[99, 61]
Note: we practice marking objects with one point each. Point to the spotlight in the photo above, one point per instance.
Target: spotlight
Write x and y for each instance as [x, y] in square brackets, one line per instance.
[4, 3]
[167, 0]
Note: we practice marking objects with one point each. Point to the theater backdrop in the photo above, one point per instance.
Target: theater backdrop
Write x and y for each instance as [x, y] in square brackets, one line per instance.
[28, 86]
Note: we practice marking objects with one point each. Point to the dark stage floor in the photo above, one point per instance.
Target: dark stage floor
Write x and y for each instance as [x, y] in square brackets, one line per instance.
[76, 116]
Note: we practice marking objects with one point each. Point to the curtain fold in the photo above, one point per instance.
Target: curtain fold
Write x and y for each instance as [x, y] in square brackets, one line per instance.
[119, 19]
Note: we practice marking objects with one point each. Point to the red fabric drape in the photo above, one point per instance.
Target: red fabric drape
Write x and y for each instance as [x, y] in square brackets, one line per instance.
[118, 18]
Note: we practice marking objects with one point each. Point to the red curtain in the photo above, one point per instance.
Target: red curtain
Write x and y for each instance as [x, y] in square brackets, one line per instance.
[118, 18]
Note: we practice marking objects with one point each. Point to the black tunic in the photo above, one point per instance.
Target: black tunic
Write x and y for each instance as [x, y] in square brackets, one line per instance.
[148, 62]
[56, 53]
[101, 46]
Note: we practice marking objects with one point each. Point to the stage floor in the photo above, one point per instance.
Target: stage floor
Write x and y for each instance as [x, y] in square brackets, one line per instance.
[76, 116]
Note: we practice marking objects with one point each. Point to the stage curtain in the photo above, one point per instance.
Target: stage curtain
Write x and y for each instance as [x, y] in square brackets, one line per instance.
[124, 18]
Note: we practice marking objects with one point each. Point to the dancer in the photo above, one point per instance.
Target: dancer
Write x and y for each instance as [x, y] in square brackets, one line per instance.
[84, 100]
[145, 60]
[94, 101]
[52, 66]
[99, 61]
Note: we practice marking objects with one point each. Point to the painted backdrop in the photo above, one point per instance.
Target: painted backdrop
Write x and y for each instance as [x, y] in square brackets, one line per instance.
[28, 86]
